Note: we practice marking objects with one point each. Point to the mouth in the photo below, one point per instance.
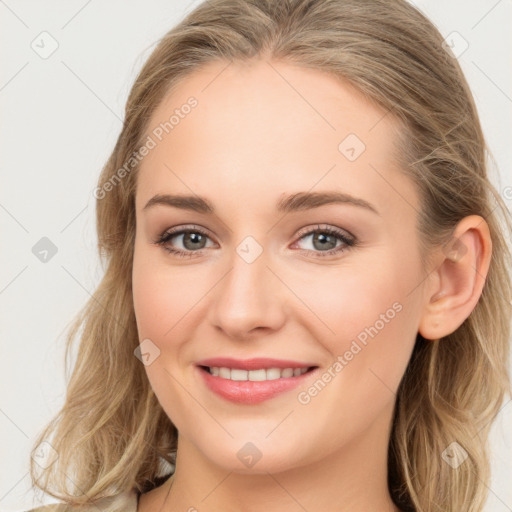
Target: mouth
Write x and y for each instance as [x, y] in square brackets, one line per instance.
[259, 375]
[253, 381]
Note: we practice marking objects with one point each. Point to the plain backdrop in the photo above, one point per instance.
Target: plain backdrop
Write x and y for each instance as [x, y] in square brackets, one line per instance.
[60, 117]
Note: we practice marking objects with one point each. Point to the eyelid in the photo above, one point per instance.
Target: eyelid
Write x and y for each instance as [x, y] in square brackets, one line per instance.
[325, 227]
[178, 230]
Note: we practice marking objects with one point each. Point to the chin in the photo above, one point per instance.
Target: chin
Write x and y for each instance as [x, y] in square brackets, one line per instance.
[253, 458]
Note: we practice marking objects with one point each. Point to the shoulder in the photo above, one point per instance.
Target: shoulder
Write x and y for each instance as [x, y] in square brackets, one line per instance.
[124, 502]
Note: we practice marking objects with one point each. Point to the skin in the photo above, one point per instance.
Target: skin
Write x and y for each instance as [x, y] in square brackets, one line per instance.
[262, 130]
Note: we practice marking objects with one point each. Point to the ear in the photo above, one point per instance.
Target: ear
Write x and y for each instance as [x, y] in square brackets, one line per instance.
[455, 286]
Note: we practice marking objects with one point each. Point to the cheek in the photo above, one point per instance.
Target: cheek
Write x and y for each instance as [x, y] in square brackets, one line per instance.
[161, 296]
[151, 299]
[158, 305]
[366, 314]
[373, 317]
[346, 300]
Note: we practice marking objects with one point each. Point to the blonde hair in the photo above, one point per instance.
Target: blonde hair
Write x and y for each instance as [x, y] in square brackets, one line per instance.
[111, 433]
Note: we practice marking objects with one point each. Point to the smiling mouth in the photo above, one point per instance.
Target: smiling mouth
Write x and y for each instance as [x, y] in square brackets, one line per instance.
[257, 375]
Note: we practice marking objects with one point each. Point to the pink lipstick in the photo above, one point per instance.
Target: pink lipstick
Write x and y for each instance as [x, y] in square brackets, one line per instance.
[252, 381]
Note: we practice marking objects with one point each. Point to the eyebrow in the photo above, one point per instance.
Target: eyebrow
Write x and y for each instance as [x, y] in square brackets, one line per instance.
[291, 203]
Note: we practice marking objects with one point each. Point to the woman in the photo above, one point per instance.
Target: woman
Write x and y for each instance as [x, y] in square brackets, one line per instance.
[306, 278]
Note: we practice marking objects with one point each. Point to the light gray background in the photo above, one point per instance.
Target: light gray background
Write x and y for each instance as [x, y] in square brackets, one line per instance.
[60, 119]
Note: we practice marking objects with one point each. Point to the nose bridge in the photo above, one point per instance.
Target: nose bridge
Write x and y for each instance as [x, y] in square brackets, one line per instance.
[248, 296]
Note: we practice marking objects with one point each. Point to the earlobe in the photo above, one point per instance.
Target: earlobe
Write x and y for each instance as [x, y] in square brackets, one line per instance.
[456, 284]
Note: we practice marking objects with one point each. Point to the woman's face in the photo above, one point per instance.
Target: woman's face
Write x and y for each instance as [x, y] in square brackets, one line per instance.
[273, 270]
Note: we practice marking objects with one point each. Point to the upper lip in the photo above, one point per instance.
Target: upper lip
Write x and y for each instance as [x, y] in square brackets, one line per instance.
[255, 363]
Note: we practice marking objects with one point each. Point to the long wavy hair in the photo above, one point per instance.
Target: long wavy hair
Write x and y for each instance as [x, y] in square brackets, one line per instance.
[112, 435]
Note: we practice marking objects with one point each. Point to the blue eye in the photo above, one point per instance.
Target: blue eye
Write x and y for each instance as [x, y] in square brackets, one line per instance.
[191, 239]
[326, 241]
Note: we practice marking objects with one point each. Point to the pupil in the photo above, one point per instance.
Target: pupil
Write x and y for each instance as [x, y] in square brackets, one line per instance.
[322, 238]
[194, 237]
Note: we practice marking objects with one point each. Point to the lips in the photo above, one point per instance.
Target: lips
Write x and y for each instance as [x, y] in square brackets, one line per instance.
[252, 381]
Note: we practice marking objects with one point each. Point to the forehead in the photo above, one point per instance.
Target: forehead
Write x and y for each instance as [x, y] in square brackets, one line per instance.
[267, 127]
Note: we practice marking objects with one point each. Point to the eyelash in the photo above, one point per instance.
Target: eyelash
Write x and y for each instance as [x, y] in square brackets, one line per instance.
[167, 235]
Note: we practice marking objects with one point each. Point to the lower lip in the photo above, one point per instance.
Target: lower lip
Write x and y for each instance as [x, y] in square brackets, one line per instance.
[251, 392]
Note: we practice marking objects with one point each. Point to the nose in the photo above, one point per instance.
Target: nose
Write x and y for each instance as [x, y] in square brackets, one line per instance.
[250, 300]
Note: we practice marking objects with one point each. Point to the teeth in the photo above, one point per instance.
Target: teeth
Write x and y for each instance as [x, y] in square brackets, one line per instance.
[225, 373]
[256, 375]
[239, 374]
[287, 372]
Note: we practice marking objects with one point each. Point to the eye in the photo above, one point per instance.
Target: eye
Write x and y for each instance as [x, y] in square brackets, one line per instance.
[327, 241]
[193, 239]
